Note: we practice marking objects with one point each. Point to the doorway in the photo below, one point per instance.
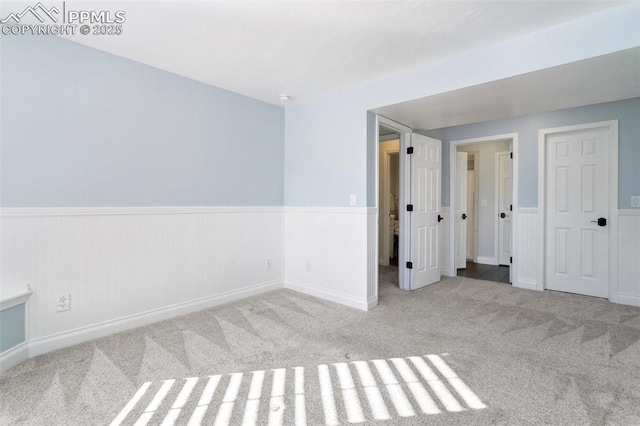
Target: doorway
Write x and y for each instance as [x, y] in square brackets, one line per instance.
[483, 198]
[409, 207]
[578, 201]
[388, 196]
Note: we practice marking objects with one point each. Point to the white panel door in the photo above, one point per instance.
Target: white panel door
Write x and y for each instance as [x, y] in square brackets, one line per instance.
[577, 181]
[460, 214]
[503, 160]
[425, 184]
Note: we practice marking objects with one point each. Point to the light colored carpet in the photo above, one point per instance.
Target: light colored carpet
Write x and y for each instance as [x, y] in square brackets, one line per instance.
[461, 351]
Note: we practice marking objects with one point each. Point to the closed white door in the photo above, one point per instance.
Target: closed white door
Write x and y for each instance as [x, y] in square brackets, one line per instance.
[503, 160]
[577, 182]
[425, 184]
[460, 214]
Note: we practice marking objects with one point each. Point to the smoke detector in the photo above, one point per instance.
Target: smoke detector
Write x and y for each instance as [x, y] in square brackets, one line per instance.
[285, 98]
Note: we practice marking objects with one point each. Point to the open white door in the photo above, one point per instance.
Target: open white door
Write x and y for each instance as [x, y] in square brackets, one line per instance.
[503, 160]
[425, 183]
[461, 210]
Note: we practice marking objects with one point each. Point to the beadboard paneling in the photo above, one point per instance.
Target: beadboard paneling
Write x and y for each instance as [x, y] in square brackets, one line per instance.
[372, 259]
[629, 257]
[120, 265]
[527, 250]
[333, 242]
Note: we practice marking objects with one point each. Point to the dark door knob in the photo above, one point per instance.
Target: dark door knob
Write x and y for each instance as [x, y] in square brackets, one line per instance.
[502, 215]
[464, 216]
[601, 221]
[440, 218]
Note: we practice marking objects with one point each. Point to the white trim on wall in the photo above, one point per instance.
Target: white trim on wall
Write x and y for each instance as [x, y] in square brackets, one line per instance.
[526, 249]
[125, 267]
[628, 265]
[612, 125]
[110, 211]
[94, 331]
[328, 255]
[14, 356]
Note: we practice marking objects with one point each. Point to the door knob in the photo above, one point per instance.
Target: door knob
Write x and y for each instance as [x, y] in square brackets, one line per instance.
[464, 216]
[601, 221]
[502, 215]
[440, 218]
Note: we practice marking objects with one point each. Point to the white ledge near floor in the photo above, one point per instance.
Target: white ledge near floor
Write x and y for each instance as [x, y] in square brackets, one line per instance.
[10, 296]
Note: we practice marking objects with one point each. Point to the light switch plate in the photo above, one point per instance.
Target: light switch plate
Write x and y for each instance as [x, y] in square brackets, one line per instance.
[635, 201]
[483, 203]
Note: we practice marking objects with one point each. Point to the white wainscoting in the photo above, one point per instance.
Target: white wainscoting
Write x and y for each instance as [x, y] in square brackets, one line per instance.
[126, 267]
[372, 259]
[326, 253]
[527, 251]
[628, 257]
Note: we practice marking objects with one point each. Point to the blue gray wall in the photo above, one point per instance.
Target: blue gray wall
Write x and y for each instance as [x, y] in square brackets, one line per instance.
[12, 327]
[81, 127]
[627, 113]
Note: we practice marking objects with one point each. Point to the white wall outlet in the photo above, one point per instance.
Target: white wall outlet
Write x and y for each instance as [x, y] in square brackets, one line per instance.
[63, 303]
[352, 199]
[269, 263]
[483, 203]
[308, 266]
[635, 201]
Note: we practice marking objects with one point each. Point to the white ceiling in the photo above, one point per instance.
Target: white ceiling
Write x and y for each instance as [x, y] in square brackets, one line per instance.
[602, 79]
[307, 48]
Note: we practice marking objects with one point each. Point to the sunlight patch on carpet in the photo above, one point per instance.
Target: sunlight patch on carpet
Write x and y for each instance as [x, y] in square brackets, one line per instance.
[349, 392]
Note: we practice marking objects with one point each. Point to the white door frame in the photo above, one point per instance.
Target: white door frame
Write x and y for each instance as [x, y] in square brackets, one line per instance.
[403, 229]
[454, 215]
[612, 219]
[497, 206]
[514, 197]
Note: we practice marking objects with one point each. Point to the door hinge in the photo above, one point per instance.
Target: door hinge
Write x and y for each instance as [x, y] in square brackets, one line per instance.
[511, 259]
[409, 265]
[409, 207]
[410, 150]
[511, 155]
[510, 207]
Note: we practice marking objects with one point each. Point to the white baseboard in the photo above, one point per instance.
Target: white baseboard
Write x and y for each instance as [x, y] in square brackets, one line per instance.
[487, 260]
[14, 356]
[527, 284]
[372, 302]
[627, 299]
[330, 295]
[79, 335]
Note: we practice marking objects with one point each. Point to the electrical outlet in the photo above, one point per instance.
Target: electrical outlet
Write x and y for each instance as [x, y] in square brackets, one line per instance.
[352, 199]
[63, 303]
[635, 201]
[308, 266]
[269, 263]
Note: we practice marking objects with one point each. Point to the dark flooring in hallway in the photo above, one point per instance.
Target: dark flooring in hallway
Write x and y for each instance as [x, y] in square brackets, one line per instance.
[496, 273]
